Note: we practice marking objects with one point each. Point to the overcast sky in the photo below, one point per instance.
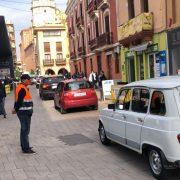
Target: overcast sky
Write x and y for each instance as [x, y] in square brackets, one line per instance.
[19, 13]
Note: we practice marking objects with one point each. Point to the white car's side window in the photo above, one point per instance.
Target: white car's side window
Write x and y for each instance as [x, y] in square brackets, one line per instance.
[140, 100]
[158, 106]
[124, 99]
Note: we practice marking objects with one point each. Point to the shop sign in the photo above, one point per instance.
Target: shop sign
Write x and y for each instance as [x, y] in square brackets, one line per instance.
[106, 86]
[129, 54]
[161, 64]
[152, 48]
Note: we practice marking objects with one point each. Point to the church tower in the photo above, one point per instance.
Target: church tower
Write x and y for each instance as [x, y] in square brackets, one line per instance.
[43, 12]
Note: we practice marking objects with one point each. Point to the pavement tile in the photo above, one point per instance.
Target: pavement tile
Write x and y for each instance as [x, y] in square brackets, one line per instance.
[19, 174]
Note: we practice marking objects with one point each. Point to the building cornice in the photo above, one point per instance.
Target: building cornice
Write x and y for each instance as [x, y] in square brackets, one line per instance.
[70, 5]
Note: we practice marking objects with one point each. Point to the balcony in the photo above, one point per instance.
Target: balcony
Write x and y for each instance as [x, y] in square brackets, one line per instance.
[71, 31]
[48, 62]
[92, 9]
[102, 40]
[137, 29]
[80, 22]
[60, 62]
[81, 51]
[72, 55]
[102, 4]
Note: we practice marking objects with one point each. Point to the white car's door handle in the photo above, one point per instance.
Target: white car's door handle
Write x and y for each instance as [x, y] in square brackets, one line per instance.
[140, 120]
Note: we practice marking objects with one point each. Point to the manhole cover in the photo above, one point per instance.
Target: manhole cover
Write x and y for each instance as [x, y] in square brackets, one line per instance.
[75, 139]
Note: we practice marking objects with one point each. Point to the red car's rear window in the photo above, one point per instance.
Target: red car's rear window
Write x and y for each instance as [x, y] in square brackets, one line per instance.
[77, 85]
[51, 80]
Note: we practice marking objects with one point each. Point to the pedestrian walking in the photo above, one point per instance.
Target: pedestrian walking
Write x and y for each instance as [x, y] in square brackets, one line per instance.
[101, 78]
[2, 99]
[92, 78]
[24, 108]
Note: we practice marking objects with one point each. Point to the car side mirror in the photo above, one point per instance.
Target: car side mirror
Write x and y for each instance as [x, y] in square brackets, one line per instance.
[111, 106]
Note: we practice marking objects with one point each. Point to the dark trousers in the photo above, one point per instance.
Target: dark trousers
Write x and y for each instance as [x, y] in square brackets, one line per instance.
[25, 121]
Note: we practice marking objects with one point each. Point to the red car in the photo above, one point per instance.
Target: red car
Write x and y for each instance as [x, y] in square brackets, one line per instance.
[74, 94]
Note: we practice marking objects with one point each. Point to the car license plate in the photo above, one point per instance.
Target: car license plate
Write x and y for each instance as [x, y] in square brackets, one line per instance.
[54, 87]
[80, 94]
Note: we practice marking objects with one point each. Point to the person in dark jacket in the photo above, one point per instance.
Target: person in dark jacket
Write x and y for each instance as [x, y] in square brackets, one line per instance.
[2, 99]
[101, 78]
[24, 108]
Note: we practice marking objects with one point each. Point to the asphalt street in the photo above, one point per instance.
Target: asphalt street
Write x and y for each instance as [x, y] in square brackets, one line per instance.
[67, 146]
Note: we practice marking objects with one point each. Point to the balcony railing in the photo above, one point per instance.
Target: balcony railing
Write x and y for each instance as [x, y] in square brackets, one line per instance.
[48, 62]
[71, 31]
[138, 28]
[103, 4]
[81, 51]
[91, 7]
[72, 55]
[80, 21]
[60, 62]
[102, 40]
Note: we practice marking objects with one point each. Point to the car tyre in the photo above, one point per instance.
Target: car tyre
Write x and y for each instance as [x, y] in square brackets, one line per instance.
[95, 107]
[62, 110]
[156, 163]
[102, 135]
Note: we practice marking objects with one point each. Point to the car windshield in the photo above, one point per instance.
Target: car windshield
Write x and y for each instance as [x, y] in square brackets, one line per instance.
[77, 85]
[51, 80]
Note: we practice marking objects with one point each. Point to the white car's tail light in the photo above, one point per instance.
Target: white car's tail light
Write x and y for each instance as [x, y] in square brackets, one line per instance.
[178, 137]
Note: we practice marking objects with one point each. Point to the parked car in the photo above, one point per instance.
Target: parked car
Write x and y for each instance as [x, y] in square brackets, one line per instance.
[48, 86]
[146, 119]
[75, 94]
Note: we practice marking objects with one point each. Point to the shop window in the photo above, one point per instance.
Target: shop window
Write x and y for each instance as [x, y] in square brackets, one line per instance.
[158, 104]
[117, 70]
[140, 100]
[124, 99]
[131, 10]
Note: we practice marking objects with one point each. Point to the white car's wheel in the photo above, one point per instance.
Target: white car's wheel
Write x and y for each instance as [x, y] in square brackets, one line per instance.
[102, 135]
[156, 163]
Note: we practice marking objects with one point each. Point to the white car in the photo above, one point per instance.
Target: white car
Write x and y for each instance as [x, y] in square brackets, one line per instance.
[146, 119]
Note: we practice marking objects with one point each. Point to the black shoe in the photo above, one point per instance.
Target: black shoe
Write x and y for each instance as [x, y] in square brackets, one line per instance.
[4, 116]
[29, 151]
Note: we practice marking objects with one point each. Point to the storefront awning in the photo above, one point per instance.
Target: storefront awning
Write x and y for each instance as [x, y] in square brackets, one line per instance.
[141, 47]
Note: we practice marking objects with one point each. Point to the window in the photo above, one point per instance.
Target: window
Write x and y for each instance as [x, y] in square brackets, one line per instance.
[158, 104]
[47, 57]
[46, 47]
[140, 100]
[58, 47]
[144, 6]
[124, 99]
[89, 34]
[117, 63]
[77, 85]
[131, 9]
[59, 56]
[91, 64]
[97, 29]
[174, 11]
[107, 28]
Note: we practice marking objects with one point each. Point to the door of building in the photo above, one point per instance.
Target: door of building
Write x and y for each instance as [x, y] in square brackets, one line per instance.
[99, 64]
[151, 65]
[109, 66]
[131, 69]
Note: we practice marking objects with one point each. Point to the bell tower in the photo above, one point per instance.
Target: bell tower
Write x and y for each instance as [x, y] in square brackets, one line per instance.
[43, 12]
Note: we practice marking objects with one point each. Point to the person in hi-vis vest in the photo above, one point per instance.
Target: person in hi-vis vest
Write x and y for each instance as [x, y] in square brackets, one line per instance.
[24, 108]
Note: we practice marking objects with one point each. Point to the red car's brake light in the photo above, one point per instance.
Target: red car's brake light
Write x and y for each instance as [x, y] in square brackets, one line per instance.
[45, 86]
[68, 95]
[93, 92]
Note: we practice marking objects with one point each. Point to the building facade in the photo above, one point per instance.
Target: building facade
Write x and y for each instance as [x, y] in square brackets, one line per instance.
[143, 39]
[11, 35]
[27, 51]
[6, 59]
[173, 27]
[50, 38]
[93, 37]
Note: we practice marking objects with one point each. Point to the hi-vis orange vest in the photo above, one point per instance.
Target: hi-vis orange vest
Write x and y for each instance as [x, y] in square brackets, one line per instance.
[27, 101]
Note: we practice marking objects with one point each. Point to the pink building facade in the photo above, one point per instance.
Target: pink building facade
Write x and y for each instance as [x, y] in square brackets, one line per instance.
[93, 37]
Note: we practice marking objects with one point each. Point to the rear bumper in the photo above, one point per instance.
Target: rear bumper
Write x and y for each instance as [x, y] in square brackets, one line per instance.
[80, 103]
[177, 163]
[48, 93]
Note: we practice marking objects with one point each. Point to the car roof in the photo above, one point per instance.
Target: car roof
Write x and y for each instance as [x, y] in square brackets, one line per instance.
[166, 82]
